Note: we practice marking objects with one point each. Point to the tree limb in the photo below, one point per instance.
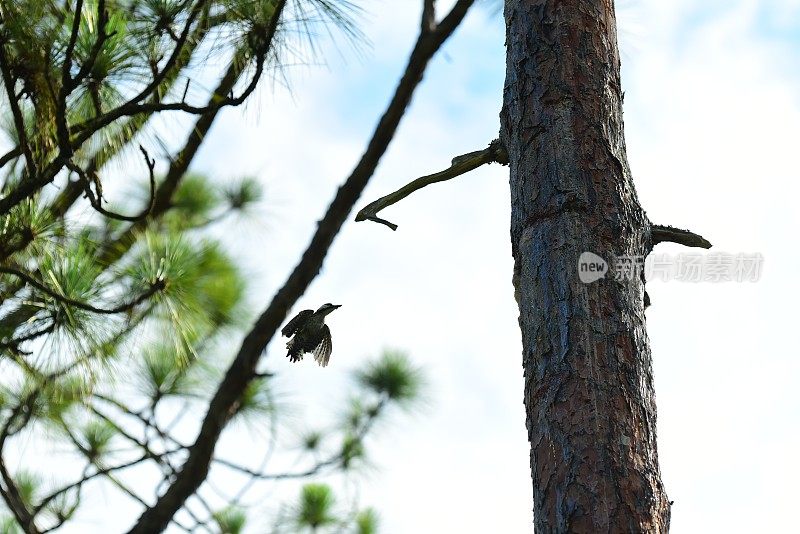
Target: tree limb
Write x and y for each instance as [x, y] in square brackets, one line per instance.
[494, 153]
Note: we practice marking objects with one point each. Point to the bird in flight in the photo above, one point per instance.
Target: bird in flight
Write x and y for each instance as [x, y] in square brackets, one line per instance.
[309, 333]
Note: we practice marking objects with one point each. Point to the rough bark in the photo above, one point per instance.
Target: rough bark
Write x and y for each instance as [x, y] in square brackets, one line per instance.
[589, 396]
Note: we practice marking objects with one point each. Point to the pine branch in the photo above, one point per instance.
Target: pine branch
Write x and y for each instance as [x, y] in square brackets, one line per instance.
[132, 128]
[68, 145]
[334, 460]
[155, 287]
[180, 164]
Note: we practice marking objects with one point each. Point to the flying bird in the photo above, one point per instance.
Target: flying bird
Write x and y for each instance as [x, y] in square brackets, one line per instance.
[311, 334]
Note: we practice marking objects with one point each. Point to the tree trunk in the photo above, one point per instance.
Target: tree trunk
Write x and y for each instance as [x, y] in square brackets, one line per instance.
[589, 396]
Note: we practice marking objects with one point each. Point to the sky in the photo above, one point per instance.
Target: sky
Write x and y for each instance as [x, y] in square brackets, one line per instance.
[712, 116]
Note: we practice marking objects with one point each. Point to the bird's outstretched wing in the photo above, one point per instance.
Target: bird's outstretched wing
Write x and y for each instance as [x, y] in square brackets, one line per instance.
[322, 354]
[296, 322]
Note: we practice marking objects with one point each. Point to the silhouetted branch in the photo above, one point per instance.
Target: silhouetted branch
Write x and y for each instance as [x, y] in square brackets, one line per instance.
[158, 285]
[14, 342]
[462, 164]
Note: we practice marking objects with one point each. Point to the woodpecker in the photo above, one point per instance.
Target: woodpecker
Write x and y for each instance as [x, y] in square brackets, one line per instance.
[311, 334]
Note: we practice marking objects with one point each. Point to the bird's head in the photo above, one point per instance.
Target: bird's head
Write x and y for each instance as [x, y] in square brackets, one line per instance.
[325, 309]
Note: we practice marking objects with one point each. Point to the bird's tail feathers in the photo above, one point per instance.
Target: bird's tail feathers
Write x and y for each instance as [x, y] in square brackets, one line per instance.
[293, 354]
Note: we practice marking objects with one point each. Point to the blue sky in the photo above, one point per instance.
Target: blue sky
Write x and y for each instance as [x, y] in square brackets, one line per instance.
[712, 115]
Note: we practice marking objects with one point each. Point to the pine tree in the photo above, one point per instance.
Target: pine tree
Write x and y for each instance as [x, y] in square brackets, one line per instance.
[589, 395]
[111, 324]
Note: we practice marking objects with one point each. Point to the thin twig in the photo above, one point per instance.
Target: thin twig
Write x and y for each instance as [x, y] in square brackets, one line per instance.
[86, 478]
[96, 199]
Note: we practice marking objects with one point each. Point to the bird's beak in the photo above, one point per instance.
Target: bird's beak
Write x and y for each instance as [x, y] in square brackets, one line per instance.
[337, 306]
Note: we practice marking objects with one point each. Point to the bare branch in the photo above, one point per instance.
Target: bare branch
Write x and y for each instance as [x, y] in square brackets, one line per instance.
[463, 164]
[661, 234]
[186, 89]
